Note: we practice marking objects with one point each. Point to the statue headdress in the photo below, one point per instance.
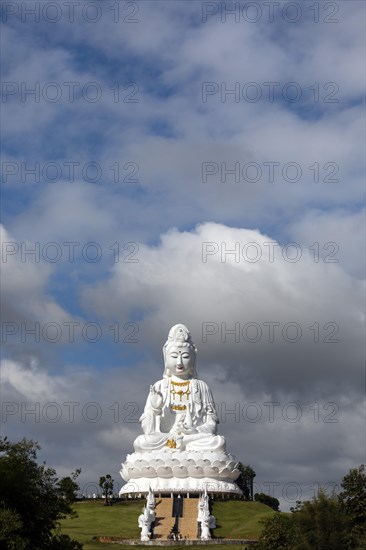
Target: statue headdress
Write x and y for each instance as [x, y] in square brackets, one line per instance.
[179, 335]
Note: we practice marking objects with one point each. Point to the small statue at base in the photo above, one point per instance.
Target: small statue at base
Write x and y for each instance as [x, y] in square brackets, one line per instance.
[206, 520]
[146, 520]
[144, 525]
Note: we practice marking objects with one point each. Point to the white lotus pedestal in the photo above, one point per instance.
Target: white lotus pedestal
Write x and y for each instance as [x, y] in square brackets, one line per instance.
[173, 471]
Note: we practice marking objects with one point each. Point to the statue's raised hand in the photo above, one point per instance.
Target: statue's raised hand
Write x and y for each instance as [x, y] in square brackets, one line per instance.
[156, 398]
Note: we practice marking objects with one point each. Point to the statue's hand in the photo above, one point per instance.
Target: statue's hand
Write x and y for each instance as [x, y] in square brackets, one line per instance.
[187, 429]
[209, 427]
[156, 398]
[206, 428]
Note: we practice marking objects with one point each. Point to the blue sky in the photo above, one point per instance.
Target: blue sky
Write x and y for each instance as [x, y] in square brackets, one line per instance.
[152, 118]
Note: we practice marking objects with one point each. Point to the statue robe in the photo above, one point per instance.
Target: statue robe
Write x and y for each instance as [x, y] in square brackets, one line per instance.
[195, 408]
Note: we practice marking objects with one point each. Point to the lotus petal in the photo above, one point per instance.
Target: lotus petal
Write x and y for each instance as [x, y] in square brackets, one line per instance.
[164, 471]
[219, 463]
[187, 462]
[180, 471]
[195, 471]
[148, 472]
[125, 473]
[156, 462]
[172, 462]
[234, 474]
[134, 472]
[203, 462]
[209, 471]
[141, 463]
[225, 472]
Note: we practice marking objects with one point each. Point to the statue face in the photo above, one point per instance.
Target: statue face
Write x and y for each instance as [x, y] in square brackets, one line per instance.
[179, 361]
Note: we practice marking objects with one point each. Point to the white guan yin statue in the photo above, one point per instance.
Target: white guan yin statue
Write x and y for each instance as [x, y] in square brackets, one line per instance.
[179, 449]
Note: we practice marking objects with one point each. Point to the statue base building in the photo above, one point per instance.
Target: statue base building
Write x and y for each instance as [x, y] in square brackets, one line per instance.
[180, 450]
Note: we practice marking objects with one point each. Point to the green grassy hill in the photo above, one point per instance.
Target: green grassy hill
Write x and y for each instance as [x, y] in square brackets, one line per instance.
[235, 519]
[95, 519]
[240, 520]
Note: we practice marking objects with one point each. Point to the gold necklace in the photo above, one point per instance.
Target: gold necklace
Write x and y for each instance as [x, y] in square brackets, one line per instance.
[186, 383]
[175, 392]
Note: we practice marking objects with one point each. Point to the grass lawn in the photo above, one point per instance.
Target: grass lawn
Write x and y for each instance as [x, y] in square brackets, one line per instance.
[240, 520]
[235, 519]
[95, 519]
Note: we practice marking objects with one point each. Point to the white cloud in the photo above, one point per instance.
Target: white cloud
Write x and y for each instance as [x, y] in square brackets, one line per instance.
[342, 228]
[172, 283]
[170, 169]
[24, 283]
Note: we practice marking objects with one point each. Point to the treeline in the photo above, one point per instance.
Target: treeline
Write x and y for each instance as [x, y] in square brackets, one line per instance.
[327, 522]
[33, 500]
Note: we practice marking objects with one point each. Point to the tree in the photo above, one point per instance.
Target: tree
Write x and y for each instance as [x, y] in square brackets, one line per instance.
[278, 533]
[68, 487]
[245, 480]
[272, 502]
[106, 484]
[321, 523]
[335, 522]
[30, 501]
[11, 530]
[353, 501]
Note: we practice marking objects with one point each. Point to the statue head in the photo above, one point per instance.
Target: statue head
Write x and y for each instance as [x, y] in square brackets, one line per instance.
[180, 353]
